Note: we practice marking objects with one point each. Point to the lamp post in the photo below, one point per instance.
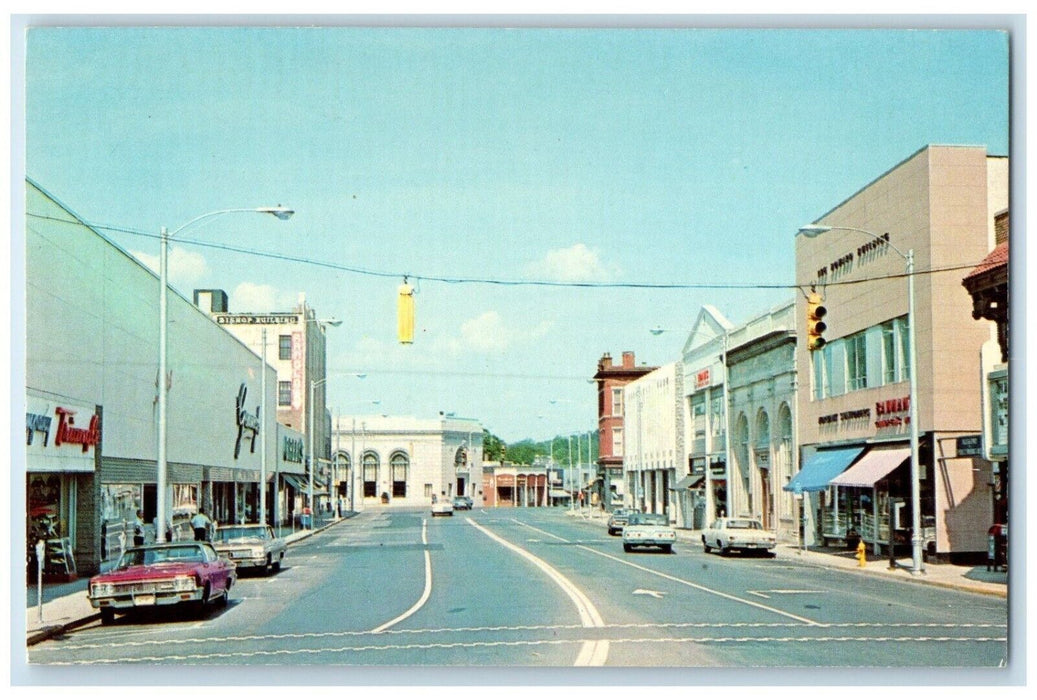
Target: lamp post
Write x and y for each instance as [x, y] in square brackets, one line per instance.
[814, 230]
[333, 322]
[162, 465]
[313, 456]
[352, 449]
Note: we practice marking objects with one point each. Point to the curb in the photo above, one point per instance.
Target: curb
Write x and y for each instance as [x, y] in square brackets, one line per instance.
[53, 631]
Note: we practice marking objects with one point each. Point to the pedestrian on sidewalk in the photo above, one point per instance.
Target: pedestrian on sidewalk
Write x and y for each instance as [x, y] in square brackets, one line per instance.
[200, 522]
[138, 529]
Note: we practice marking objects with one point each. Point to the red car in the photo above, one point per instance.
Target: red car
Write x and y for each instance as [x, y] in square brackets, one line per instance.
[163, 574]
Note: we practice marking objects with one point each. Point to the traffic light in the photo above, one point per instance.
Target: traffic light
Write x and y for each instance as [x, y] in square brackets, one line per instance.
[405, 313]
[815, 326]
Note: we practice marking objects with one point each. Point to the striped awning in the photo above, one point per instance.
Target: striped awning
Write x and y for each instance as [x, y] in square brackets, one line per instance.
[874, 466]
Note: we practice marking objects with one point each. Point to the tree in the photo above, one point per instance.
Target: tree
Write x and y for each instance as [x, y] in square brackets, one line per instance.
[492, 447]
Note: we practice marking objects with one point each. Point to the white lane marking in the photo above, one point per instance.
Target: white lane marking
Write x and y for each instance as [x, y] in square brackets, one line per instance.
[680, 580]
[654, 594]
[593, 652]
[209, 656]
[780, 591]
[428, 584]
[253, 638]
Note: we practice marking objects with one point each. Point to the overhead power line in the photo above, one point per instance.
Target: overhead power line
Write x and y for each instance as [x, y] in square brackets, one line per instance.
[339, 267]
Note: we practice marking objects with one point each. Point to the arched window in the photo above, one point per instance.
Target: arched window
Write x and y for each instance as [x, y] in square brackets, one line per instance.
[741, 443]
[763, 431]
[399, 465]
[783, 455]
[370, 463]
[741, 447]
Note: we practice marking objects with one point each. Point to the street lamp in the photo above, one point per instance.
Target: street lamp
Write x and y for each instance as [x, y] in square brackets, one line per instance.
[162, 465]
[334, 322]
[350, 480]
[814, 230]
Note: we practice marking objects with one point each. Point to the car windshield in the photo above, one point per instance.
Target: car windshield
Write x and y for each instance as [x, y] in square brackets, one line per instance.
[744, 524]
[649, 519]
[225, 534]
[158, 555]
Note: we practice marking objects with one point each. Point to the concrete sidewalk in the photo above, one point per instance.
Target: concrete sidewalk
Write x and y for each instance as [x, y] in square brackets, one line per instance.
[975, 579]
[66, 606]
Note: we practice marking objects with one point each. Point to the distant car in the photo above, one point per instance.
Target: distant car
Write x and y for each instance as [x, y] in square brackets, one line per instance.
[462, 503]
[442, 508]
[190, 573]
[618, 519]
[742, 534]
[250, 546]
[648, 530]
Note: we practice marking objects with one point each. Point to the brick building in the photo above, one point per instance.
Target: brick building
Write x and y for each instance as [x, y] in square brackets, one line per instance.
[609, 489]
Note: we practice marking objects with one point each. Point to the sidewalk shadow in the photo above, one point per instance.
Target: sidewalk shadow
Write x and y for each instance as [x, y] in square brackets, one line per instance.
[980, 573]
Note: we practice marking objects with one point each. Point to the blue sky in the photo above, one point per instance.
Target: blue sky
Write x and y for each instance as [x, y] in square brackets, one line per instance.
[684, 157]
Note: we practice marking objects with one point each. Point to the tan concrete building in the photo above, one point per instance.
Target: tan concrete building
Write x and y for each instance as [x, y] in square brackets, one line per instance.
[853, 395]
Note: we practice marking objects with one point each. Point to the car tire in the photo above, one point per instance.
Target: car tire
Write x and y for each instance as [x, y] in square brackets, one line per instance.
[627, 547]
[268, 566]
[107, 616]
[277, 564]
[724, 549]
[668, 548]
[612, 533]
[705, 547]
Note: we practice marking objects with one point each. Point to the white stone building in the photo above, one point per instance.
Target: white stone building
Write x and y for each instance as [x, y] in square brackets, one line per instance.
[761, 378]
[405, 461]
[653, 456]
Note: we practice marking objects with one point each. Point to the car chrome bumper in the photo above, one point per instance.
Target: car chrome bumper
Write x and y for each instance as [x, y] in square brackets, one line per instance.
[146, 600]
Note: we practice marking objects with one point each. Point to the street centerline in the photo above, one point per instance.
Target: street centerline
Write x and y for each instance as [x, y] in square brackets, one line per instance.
[428, 584]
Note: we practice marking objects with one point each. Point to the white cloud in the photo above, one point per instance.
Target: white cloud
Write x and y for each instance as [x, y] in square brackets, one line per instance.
[486, 333]
[260, 298]
[489, 333]
[185, 267]
[578, 263]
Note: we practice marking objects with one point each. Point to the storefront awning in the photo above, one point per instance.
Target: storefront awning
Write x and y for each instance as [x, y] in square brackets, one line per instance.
[820, 469]
[874, 466]
[691, 481]
[299, 483]
[558, 493]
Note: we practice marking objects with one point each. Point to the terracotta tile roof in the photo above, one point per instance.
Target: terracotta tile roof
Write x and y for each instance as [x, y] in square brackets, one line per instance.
[997, 257]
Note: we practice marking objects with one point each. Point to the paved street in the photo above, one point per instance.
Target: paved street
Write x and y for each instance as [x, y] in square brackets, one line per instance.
[534, 587]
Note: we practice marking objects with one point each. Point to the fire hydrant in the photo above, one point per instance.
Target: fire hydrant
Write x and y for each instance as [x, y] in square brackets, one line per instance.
[862, 557]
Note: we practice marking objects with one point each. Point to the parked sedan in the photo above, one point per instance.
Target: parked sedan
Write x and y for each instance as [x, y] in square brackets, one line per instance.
[189, 573]
[250, 546]
[742, 534]
[618, 519]
[648, 530]
[442, 508]
[462, 503]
